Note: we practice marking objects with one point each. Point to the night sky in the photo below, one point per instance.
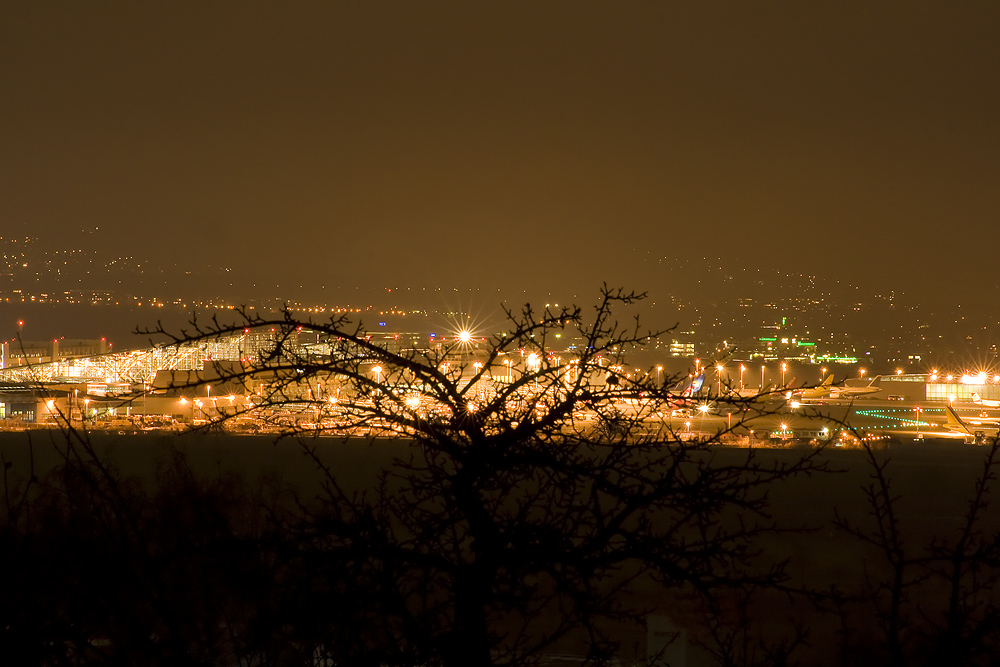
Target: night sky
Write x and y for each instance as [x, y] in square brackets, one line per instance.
[553, 145]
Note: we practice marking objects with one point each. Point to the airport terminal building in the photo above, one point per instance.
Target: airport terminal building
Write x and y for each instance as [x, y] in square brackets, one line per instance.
[939, 388]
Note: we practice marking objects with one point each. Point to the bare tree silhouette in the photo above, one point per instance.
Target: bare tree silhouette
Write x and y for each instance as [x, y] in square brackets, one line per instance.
[544, 493]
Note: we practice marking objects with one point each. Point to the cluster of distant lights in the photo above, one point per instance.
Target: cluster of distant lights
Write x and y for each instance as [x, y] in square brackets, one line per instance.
[966, 378]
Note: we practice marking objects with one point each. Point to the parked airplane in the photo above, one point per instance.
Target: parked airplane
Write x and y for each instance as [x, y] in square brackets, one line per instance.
[680, 394]
[854, 392]
[810, 393]
[829, 390]
[688, 389]
[985, 402]
[955, 423]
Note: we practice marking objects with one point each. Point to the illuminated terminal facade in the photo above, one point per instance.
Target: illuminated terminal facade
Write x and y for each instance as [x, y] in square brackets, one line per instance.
[961, 389]
[940, 388]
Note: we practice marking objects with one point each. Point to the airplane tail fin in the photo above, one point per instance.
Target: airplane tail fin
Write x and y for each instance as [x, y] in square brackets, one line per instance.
[827, 381]
[976, 398]
[953, 421]
[695, 386]
[681, 385]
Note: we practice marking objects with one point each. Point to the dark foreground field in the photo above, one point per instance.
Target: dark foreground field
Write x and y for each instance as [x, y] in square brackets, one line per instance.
[74, 552]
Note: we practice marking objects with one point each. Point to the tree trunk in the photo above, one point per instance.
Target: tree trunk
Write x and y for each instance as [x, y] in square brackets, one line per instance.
[469, 645]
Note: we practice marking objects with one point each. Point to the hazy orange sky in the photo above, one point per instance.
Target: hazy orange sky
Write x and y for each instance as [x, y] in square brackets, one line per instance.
[530, 143]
